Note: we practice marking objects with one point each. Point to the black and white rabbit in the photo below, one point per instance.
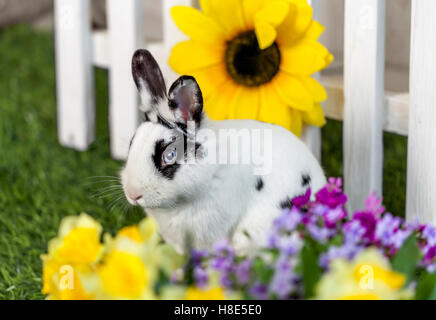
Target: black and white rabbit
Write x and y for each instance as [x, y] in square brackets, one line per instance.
[205, 200]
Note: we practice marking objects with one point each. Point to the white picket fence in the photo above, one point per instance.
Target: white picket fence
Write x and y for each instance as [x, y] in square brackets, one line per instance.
[359, 99]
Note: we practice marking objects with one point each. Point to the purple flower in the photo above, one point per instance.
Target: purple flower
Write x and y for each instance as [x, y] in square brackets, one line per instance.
[347, 251]
[353, 232]
[223, 261]
[223, 258]
[373, 204]
[200, 277]
[331, 195]
[290, 245]
[430, 254]
[282, 282]
[317, 233]
[414, 226]
[302, 200]
[288, 220]
[223, 248]
[259, 291]
[333, 216]
[225, 280]
[242, 272]
[198, 256]
[286, 244]
[429, 234]
[222, 264]
[386, 228]
[319, 209]
[368, 222]
[399, 237]
[431, 268]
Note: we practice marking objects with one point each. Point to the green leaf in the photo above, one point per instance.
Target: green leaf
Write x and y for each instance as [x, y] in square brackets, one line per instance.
[426, 287]
[311, 271]
[407, 258]
[262, 271]
[337, 241]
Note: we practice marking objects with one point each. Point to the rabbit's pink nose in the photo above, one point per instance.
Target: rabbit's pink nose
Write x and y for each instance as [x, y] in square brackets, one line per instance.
[134, 196]
[137, 198]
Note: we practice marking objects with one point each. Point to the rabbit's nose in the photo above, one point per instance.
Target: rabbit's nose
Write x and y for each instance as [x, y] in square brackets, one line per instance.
[134, 196]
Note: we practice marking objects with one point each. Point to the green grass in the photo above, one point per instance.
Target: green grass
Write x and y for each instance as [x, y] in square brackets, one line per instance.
[42, 182]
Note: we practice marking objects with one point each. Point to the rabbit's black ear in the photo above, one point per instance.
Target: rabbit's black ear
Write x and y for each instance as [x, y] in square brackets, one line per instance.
[148, 78]
[186, 100]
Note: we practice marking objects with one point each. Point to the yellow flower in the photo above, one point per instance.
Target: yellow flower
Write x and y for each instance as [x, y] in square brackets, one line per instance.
[124, 275]
[149, 230]
[78, 240]
[254, 59]
[75, 251]
[62, 282]
[368, 277]
[213, 293]
[131, 232]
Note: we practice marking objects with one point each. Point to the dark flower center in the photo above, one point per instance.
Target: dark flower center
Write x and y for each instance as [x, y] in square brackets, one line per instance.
[247, 64]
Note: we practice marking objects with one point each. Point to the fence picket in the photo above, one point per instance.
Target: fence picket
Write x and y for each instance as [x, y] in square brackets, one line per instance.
[363, 94]
[421, 171]
[125, 36]
[171, 36]
[74, 74]
[312, 135]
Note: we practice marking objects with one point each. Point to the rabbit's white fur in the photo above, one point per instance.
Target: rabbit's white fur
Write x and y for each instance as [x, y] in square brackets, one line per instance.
[214, 201]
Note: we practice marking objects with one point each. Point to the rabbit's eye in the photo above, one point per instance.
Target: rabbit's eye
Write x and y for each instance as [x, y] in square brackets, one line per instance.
[169, 156]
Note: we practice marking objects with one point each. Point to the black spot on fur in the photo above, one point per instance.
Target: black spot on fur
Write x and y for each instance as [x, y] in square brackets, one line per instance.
[305, 180]
[259, 184]
[286, 204]
[146, 117]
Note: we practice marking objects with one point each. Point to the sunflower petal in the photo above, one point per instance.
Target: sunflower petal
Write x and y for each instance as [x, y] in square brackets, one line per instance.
[206, 6]
[315, 117]
[304, 58]
[209, 79]
[297, 122]
[191, 55]
[295, 24]
[216, 105]
[229, 14]
[292, 91]
[273, 13]
[315, 88]
[197, 25]
[273, 109]
[266, 34]
[245, 104]
[250, 8]
[315, 30]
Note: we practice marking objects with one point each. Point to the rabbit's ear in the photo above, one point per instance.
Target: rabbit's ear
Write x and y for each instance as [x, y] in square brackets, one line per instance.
[186, 100]
[148, 79]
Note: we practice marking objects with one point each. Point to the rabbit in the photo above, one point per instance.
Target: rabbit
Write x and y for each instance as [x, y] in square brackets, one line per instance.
[202, 202]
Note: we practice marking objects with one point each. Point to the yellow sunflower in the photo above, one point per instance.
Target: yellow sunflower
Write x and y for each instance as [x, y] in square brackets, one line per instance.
[254, 59]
